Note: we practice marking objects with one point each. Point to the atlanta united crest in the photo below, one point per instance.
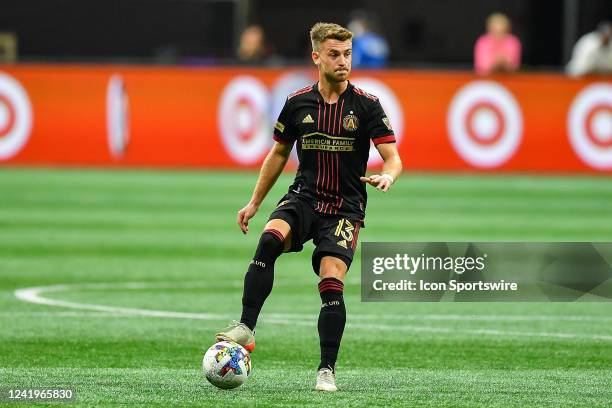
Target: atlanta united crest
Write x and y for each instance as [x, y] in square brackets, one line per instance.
[350, 123]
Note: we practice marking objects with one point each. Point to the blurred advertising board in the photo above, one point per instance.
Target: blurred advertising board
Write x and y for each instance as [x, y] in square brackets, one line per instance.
[223, 117]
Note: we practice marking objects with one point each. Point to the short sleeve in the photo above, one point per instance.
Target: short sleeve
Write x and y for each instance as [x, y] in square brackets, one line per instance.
[283, 131]
[379, 127]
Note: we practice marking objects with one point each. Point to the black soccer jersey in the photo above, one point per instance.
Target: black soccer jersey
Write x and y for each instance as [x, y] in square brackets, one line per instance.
[333, 143]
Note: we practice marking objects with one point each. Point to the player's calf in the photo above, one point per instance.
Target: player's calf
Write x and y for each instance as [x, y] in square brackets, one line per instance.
[332, 319]
[258, 283]
[259, 278]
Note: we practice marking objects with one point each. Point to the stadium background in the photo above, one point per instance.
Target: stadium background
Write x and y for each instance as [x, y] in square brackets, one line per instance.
[129, 138]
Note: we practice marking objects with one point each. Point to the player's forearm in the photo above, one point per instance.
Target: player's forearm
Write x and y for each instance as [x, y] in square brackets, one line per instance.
[393, 166]
[271, 169]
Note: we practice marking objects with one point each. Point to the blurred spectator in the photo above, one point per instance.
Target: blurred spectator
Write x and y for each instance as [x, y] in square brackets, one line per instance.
[592, 53]
[497, 50]
[8, 47]
[370, 49]
[252, 47]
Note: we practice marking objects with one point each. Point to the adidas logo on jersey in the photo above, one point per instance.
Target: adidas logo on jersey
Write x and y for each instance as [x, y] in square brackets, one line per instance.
[308, 119]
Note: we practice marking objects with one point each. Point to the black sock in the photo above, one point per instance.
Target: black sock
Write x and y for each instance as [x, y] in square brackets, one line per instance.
[260, 276]
[331, 320]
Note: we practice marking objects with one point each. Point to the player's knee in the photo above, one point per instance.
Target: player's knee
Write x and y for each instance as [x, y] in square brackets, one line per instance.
[332, 267]
[271, 242]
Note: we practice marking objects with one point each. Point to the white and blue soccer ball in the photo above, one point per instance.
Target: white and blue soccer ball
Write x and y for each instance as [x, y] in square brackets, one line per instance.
[227, 364]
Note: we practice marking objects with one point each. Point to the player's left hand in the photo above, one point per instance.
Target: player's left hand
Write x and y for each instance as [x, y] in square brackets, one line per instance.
[381, 182]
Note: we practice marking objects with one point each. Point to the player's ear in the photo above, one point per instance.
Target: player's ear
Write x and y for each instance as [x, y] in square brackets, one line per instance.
[315, 58]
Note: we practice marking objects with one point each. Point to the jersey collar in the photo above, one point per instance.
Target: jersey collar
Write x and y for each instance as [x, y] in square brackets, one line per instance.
[349, 88]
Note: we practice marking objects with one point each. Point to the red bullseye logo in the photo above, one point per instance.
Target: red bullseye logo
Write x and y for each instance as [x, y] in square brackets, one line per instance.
[7, 116]
[598, 127]
[485, 124]
[15, 117]
[247, 119]
[590, 126]
[245, 131]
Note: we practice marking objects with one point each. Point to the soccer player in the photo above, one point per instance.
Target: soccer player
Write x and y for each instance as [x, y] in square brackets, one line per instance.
[331, 123]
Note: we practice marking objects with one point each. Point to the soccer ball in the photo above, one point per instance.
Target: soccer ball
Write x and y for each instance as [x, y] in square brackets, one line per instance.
[226, 364]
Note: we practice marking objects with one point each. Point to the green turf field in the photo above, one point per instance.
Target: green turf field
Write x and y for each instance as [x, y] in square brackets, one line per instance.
[138, 269]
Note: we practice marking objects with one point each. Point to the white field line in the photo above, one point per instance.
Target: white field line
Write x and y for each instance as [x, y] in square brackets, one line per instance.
[34, 295]
[352, 316]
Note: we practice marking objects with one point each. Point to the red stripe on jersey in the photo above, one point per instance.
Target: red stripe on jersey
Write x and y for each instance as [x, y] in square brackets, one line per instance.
[279, 140]
[334, 158]
[329, 119]
[384, 139]
[337, 183]
[318, 177]
[355, 234]
[324, 112]
[299, 91]
[335, 113]
[332, 186]
[340, 118]
[329, 171]
[318, 114]
[330, 175]
[323, 179]
[364, 93]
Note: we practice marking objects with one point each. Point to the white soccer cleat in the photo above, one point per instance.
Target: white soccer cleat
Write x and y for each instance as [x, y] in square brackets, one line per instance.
[238, 333]
[326, 380]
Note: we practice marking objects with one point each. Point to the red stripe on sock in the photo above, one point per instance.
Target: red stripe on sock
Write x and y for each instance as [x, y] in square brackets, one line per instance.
[337, 288]
[277, 234]
[331, 284]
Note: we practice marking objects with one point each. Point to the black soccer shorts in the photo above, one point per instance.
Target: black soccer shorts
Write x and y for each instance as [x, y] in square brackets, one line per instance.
[332, 235]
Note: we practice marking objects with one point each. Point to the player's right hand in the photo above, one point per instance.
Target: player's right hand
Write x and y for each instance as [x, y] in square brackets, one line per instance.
[245, 215]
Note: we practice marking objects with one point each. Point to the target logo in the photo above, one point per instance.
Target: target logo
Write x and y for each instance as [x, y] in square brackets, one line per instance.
[15, 117]
[243, 119]
[485, 124]
[590, 126]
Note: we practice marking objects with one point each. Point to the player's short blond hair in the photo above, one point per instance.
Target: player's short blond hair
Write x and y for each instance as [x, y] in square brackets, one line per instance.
[325, 31]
